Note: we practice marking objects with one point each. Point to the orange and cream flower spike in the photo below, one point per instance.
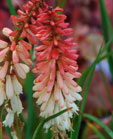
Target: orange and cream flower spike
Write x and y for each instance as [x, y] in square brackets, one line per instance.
[12, 57]
[10, 73]
[56, 66]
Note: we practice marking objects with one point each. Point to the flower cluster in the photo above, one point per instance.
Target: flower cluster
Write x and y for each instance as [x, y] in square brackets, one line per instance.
[12, 57]
[56, 66]
[10, 73]
[27, 21]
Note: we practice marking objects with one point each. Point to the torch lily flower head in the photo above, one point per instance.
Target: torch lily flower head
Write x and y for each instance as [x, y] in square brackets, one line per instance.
[55, 87]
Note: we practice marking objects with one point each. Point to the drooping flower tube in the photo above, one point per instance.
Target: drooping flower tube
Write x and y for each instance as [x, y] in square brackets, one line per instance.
[56, 65]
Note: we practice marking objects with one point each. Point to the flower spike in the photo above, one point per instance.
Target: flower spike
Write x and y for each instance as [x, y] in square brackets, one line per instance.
[56, 66]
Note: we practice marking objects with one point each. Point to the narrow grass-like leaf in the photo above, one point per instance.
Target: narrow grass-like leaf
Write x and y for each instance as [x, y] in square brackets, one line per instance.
[106, 86]
[101, 124]
[84, 133]
[11, 7]
[82, 81]
[96, 131]
[111, 123]
[62, 3]
[1, 130]
[31, 116]
[8, 130]
[36, 133]
[75, 133]
[107, 27]
[105, 14]
[106, 56]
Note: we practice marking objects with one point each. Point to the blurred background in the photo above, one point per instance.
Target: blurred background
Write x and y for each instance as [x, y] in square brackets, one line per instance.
[84, 17]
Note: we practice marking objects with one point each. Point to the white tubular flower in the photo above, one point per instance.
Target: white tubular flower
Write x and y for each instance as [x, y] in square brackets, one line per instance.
[17, 86]
[62, 96]
[16, 104]
[14, 135]
[9, 118]
[21, 70]
[3, 70]
[3, 44]
[9, 87]
[6, 32]
[2, 92]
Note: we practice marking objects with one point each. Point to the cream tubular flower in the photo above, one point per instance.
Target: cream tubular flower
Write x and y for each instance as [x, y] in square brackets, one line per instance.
[9, 118]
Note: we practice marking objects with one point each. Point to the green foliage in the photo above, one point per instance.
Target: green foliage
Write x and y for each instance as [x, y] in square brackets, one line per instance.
[98, 121]
[96, 131]
[36, 133]
[107, 27]
[84, 81]
[11, 7]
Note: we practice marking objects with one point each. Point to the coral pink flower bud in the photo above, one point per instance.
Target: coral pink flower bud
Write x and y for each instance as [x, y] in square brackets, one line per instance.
[52, 23]
[13, 33]
[32, 38]
[55, 54]
[25, 44]
[26, 25]
[21, 12]
[14, 20]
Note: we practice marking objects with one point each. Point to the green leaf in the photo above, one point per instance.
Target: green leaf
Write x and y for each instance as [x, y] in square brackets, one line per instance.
[75, 133]
[30, 124]
[62, 4]
[101, 124]
[88, 79]
[36, 133]
[1, 130]
[11, 7]
[88, 74]
[81, 80]
[104, 15]
[107, 27]
[96, 131]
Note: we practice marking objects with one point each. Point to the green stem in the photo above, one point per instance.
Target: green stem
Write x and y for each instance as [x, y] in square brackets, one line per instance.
[11, 7]
[88, 79]
[36, 133]
[31, 111]
[1, 129]
[18, 130]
